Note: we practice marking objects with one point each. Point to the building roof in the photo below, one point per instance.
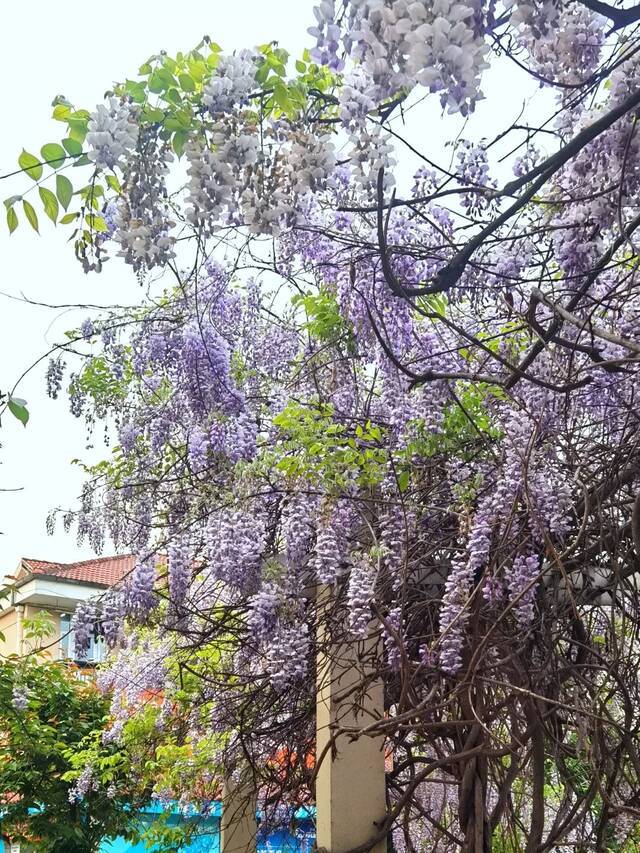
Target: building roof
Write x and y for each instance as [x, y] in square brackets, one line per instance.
[103, 571]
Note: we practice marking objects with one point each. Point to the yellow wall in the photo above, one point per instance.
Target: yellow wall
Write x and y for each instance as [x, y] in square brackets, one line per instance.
[9, 626]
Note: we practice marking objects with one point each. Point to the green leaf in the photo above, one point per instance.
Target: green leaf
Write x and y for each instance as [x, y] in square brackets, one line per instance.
[403, 481]
[281, 95]
[300, 66]
[31, 215]
[173, 97]
[92, 191]
[18, 409]
[64, 190]
[179, 141]
[170, 64]
[53, 154]
[160, 80]
[30, 164]
[96, 223]
[155, 83]
[186, 82]
[262, 73]
[12, 220]
[136, 90]
[50, 202]
[77, 132]
[113, 183]
[153, 115]
[78, 122]
[61, 112]
[72, 147]
[68, 217]
[197, 70]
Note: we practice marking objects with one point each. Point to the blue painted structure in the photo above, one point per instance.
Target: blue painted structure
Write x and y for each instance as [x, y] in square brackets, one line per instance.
[208, 838]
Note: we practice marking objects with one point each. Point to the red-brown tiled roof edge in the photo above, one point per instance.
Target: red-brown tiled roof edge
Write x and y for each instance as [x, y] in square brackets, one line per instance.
[106, 571]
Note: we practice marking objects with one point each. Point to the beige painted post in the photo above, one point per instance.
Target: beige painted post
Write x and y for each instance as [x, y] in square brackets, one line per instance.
[350, 783]
[238, 825]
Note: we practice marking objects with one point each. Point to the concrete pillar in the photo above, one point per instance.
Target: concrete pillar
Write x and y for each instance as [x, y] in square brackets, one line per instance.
[350, 782]
[238, 825]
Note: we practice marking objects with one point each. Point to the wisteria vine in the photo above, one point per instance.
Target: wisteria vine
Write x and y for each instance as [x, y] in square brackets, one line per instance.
[421, 398]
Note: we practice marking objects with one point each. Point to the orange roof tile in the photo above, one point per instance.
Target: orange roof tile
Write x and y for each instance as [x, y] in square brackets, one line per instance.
[106, 571]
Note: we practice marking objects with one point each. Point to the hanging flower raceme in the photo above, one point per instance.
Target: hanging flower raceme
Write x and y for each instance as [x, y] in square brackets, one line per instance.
[112, 134]
[440, 46]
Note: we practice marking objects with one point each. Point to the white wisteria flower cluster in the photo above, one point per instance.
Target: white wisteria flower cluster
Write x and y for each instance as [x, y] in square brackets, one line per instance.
[243, 179]
[143, 218]
[112, 133]
[371, 150]
[564, 43]
[439, 44]
[232, 82]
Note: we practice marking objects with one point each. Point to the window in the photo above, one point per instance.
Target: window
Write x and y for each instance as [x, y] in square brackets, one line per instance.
[94, 654]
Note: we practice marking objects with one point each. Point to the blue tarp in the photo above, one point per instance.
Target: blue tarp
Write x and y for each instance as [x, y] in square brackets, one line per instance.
[277, 842]
[208, 839]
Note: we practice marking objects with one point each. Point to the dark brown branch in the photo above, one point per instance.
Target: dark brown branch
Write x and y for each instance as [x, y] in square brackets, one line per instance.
[620, 17]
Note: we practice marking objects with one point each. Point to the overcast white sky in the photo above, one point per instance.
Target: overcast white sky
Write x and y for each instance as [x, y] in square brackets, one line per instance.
[79, 51]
